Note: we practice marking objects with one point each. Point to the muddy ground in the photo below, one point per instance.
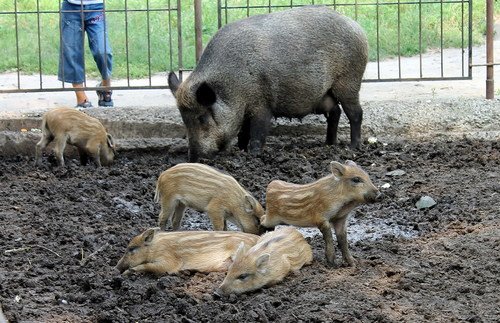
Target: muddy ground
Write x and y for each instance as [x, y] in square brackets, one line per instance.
[63, 230]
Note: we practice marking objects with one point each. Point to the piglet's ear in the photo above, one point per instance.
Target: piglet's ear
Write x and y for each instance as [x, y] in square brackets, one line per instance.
[250, 204]
[261, 263]
[239, 252]
[111, 142]
[337, 169]
[350, 163]
[205, 95]
[148, 235]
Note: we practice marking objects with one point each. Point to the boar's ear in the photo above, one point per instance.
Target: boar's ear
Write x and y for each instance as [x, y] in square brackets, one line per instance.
[173, 82]
[350, 163]
[262, 262]
[148, 235]
[111, 142]
[250, 204]
[205, 95]
[239, 252]
[337, 169]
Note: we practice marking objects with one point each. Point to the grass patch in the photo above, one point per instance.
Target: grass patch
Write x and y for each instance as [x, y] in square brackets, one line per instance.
[395, 31]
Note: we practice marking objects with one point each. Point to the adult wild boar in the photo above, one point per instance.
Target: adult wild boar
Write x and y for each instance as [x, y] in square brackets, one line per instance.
[284, 64]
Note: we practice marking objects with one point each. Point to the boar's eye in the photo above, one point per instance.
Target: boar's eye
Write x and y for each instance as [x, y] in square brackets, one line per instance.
[203, 119]
[356, 180]
[243, 276]
[133, 249]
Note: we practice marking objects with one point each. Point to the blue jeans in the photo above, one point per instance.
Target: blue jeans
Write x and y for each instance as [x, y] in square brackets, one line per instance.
[74, 23]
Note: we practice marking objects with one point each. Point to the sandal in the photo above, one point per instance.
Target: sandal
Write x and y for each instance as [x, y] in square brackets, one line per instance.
[84, 105]
[104, 97]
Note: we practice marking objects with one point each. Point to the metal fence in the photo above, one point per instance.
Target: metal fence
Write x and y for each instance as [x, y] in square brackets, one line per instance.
[151, 37]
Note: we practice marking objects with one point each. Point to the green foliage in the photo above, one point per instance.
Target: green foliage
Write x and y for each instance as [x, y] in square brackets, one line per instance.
[397, 34]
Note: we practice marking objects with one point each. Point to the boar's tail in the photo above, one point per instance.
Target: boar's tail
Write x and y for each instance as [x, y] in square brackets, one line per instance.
[157, 193]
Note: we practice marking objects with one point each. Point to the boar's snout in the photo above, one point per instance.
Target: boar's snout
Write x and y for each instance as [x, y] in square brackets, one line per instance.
[120, 266]
[373, 196]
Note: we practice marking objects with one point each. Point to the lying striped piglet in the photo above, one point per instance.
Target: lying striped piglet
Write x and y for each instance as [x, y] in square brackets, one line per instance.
[267, 262]
[170, 252]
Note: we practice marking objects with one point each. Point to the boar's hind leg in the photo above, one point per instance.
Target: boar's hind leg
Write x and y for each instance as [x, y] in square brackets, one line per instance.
[354, 113]
[40, 146]
[168, 208]
[244, 135]
[59, 149]
[332, 125]
[178, 213]
[260, 122]
[326, 230]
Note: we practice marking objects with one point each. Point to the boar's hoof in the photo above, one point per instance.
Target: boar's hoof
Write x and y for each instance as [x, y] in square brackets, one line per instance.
[255, 148]
[350, 262]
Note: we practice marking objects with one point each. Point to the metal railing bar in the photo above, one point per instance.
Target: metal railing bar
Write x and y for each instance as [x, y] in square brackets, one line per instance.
[105, 38]
[226, 7]
[63, 84]
[378, 38]
[442, 45]
[149, 40]
[399, 39]
[179, 39]
[420, 36]
[82, 24]
[470, 39]
[86, 10]
[171, 53]
[462, 35]
[39, 45]
[17, 47]
[126, 43]
[417, 79]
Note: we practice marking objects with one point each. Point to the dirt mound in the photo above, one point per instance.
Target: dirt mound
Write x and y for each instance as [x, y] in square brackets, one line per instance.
[63, 231]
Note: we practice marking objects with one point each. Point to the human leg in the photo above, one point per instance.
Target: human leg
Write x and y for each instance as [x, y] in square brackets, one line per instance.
[71, 60]
[100, 47]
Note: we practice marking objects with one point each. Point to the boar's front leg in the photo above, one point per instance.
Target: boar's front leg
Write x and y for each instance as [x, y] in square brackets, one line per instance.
[326, 230]
[260, 122]
[340, 226]
[217, 215]
[244, 135]
[84, 157]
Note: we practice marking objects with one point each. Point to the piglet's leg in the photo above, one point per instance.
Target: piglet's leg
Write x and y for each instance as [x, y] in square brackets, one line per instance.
[340, 227]
[158, 268]
[216, 215]
[178, 213]
[326, 230]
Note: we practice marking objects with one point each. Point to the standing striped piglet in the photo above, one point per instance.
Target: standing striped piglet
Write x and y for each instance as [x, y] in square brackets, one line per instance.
[206, 189]
[323, 204]
[68, 125]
